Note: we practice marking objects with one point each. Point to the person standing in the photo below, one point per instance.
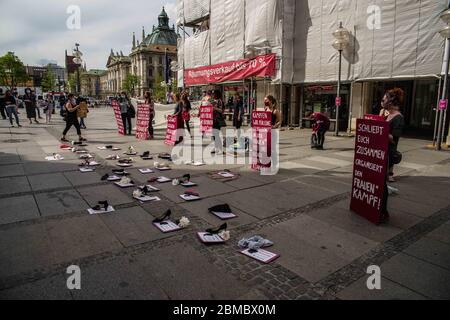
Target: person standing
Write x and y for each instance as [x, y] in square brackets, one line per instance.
[238, 113]
[392, 101]
[186, 111]
[11, 108]
[178, 113]
[72, 118]
[50, 107]
[151, 107]
[270, 104]
[125, 110]
[30, 104]
[82, 112]
[218, 121]
[2, 104]
[62, 102]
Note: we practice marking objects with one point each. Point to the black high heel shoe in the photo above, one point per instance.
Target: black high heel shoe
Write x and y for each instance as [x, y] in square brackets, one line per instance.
[163, 217]
[146, 154]
[105, 177]
[145, 190]
[217, 230]
[119, 171]
[105, 204]
[101, 205]
[223, 208]
[185, 178]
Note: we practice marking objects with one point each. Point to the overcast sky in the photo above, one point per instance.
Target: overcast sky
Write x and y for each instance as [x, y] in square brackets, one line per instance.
[37, 31]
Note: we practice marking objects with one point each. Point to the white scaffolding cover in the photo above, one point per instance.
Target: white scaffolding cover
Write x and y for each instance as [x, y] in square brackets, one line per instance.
[180, 12]
[262, 26]
[195, 9]
[197, 51]
[406, 44]
[227, 25]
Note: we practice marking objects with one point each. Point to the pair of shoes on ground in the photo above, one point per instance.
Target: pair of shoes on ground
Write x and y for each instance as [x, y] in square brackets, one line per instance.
[101, 205]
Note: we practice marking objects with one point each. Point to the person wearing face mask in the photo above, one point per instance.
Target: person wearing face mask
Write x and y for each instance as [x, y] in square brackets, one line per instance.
[271, 105]
[127, 110]
[30, 105]
[11, 108]
[72, 118]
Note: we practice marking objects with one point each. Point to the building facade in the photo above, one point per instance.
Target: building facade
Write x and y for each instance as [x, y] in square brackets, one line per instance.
[147, 59]
[91, 85]
[393, 43]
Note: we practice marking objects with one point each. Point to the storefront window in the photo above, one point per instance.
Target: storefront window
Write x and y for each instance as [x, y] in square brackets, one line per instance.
[322, 98]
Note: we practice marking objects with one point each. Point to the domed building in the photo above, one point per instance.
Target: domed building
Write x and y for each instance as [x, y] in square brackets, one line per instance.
[147, 57]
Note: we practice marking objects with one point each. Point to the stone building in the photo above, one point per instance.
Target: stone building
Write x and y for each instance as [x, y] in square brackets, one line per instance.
[147, 58]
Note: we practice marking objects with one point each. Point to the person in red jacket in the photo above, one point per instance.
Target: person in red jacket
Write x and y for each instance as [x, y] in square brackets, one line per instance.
[320, 128]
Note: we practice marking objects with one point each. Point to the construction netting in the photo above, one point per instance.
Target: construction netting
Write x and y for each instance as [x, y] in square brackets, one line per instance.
[389, 38]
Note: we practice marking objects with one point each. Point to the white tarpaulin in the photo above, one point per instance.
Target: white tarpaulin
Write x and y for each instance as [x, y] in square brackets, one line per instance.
[262, 26]
[227, 37]
[406, 42]
[180, 12]
[180, 73]
[195, 9]
[196, 50]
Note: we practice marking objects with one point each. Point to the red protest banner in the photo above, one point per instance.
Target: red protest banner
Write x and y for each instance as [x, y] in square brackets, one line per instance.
[118, 115]
[206, 118]
[262, 140]
[370, 167]
[261, 66]
[142, 122]
[172, 127]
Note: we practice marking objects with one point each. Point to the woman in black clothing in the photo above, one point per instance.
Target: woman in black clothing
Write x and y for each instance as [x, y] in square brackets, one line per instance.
[125, 109]
[218, 120]
[72, 118]
[30, 104]
[392, 102]
[151, 106]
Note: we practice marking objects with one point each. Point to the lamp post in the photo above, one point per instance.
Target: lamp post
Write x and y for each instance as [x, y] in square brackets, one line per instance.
[78, 61]
[342, 37]
[445, 33]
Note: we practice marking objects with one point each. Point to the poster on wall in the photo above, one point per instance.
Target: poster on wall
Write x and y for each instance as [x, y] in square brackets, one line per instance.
[206, 118]
[118, 116]
[262, 140]
[142, 122]
[172, 127]
[370, 167]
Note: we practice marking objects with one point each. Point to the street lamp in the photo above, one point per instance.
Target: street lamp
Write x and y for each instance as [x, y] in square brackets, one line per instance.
[342, 37]
[78, 61]
[445, 33]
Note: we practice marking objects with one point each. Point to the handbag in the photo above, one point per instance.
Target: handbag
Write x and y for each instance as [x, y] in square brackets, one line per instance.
[131, 111]
[396, 157]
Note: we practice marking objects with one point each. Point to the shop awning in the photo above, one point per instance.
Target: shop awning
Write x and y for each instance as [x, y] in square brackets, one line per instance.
[260, 66]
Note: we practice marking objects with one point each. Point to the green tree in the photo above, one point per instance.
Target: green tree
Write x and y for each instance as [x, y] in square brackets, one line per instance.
[159, 91]
[49, 80]
[130, 83]
[72, 82]
[12, 71]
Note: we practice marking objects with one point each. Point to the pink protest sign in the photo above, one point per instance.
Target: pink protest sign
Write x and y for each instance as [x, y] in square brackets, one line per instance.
[142, 122]
[206, 118]
[443, 104]
[118, 116]
[370, 168]
[172, 126]
[262, 140]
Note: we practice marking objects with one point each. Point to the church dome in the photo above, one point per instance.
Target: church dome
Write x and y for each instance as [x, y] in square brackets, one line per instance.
[163, 34]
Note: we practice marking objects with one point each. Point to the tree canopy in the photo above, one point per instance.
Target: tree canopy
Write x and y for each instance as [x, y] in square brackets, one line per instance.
[12, 71]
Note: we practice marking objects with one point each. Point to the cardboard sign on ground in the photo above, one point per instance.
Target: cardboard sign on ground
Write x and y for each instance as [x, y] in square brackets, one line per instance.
[261, 255]
[167, 226]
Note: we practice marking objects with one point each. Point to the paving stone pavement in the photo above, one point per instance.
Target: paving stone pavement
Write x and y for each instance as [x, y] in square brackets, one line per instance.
[325, 249]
